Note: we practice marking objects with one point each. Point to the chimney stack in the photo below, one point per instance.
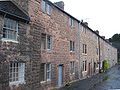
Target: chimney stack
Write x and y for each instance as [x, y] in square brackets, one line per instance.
[97, 32]
[103, 37]
[60, 4]
[86, 23]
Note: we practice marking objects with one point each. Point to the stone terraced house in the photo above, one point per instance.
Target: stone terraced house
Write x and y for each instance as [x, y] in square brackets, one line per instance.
[43, 47]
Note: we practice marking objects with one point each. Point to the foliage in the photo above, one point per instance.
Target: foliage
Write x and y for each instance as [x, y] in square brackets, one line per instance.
[105, 65]
[115, 38]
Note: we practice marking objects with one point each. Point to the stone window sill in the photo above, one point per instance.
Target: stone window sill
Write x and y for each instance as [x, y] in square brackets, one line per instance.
[9, 40]
[47, 81]
[16, 83]
[84, 54]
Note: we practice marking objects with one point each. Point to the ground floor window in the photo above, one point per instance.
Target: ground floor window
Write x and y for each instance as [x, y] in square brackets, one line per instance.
[46, 71]
[16, 73]
[84, 66]
[72, 67]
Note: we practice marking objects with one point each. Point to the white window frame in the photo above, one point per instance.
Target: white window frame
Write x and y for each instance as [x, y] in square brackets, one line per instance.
[48, 9]
[49, 43]
[72, 46]
[20, 69]
[43, 6]
[84, 49]
[84, 66]
[72, 67]
[71, 22]
[47, 72]
[10, 33]
[46, 42]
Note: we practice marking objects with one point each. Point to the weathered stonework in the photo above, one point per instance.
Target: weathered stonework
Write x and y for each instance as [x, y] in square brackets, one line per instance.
[28, 48]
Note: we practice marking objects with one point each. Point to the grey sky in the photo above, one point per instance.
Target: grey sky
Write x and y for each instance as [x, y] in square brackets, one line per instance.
[102, 15]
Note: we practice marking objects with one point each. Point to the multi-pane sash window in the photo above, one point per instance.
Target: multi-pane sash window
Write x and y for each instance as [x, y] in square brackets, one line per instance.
[45, 71]
[49, 42]
[43, 6]
[16, 72]
[72, 46]
[71, 21]
[10, 29]
[84, 48]
[84, 65]
[46, 42]
[72, 67]
[46, 7]
[49, 9]
[97, 51]
[48, 71]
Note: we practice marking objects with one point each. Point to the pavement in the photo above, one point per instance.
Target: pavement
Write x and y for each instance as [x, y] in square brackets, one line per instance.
[109, 80]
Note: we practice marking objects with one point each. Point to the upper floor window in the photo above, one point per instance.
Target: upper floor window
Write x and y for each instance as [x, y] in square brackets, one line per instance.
[71, 21]
[72, 46]
[46, 7]
[16, 73]
[49, 9]
[46, 42]
[97, 51]
[84, 48]
[78, 26]
[10, 29]
[43, 6]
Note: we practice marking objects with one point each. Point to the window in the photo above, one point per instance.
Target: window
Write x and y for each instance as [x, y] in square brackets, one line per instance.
[84, 48]
[72, 46]
[45, 71]
[16, 73]
[84, 65]
[46, 7]
[43, 6]
[46, 42]
[72, 67]
[71, 22]
[48, 71]
[49, 42]
[10, 29]
[78, 26]
[97, 51]
[43, 41]
[49, 9]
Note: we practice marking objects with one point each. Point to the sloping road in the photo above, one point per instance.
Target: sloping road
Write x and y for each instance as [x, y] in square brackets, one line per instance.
[112, 81]
[109, 80]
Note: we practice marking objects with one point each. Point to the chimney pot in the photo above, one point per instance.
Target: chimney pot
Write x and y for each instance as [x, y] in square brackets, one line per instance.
[60, 4]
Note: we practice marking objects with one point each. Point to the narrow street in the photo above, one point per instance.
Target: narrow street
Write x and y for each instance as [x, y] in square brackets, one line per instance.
[112, 81]
[109, 80]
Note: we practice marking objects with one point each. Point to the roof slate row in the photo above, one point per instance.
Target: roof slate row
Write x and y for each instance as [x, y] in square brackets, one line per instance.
[9, 8]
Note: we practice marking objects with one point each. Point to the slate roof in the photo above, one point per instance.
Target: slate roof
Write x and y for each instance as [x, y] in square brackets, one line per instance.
[7, 7]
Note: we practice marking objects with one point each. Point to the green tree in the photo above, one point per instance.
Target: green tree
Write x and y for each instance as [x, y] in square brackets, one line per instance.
[115, 38]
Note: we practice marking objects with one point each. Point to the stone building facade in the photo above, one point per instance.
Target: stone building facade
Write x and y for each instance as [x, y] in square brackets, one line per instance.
[42, 46]
[107, 52]
[89, 51]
